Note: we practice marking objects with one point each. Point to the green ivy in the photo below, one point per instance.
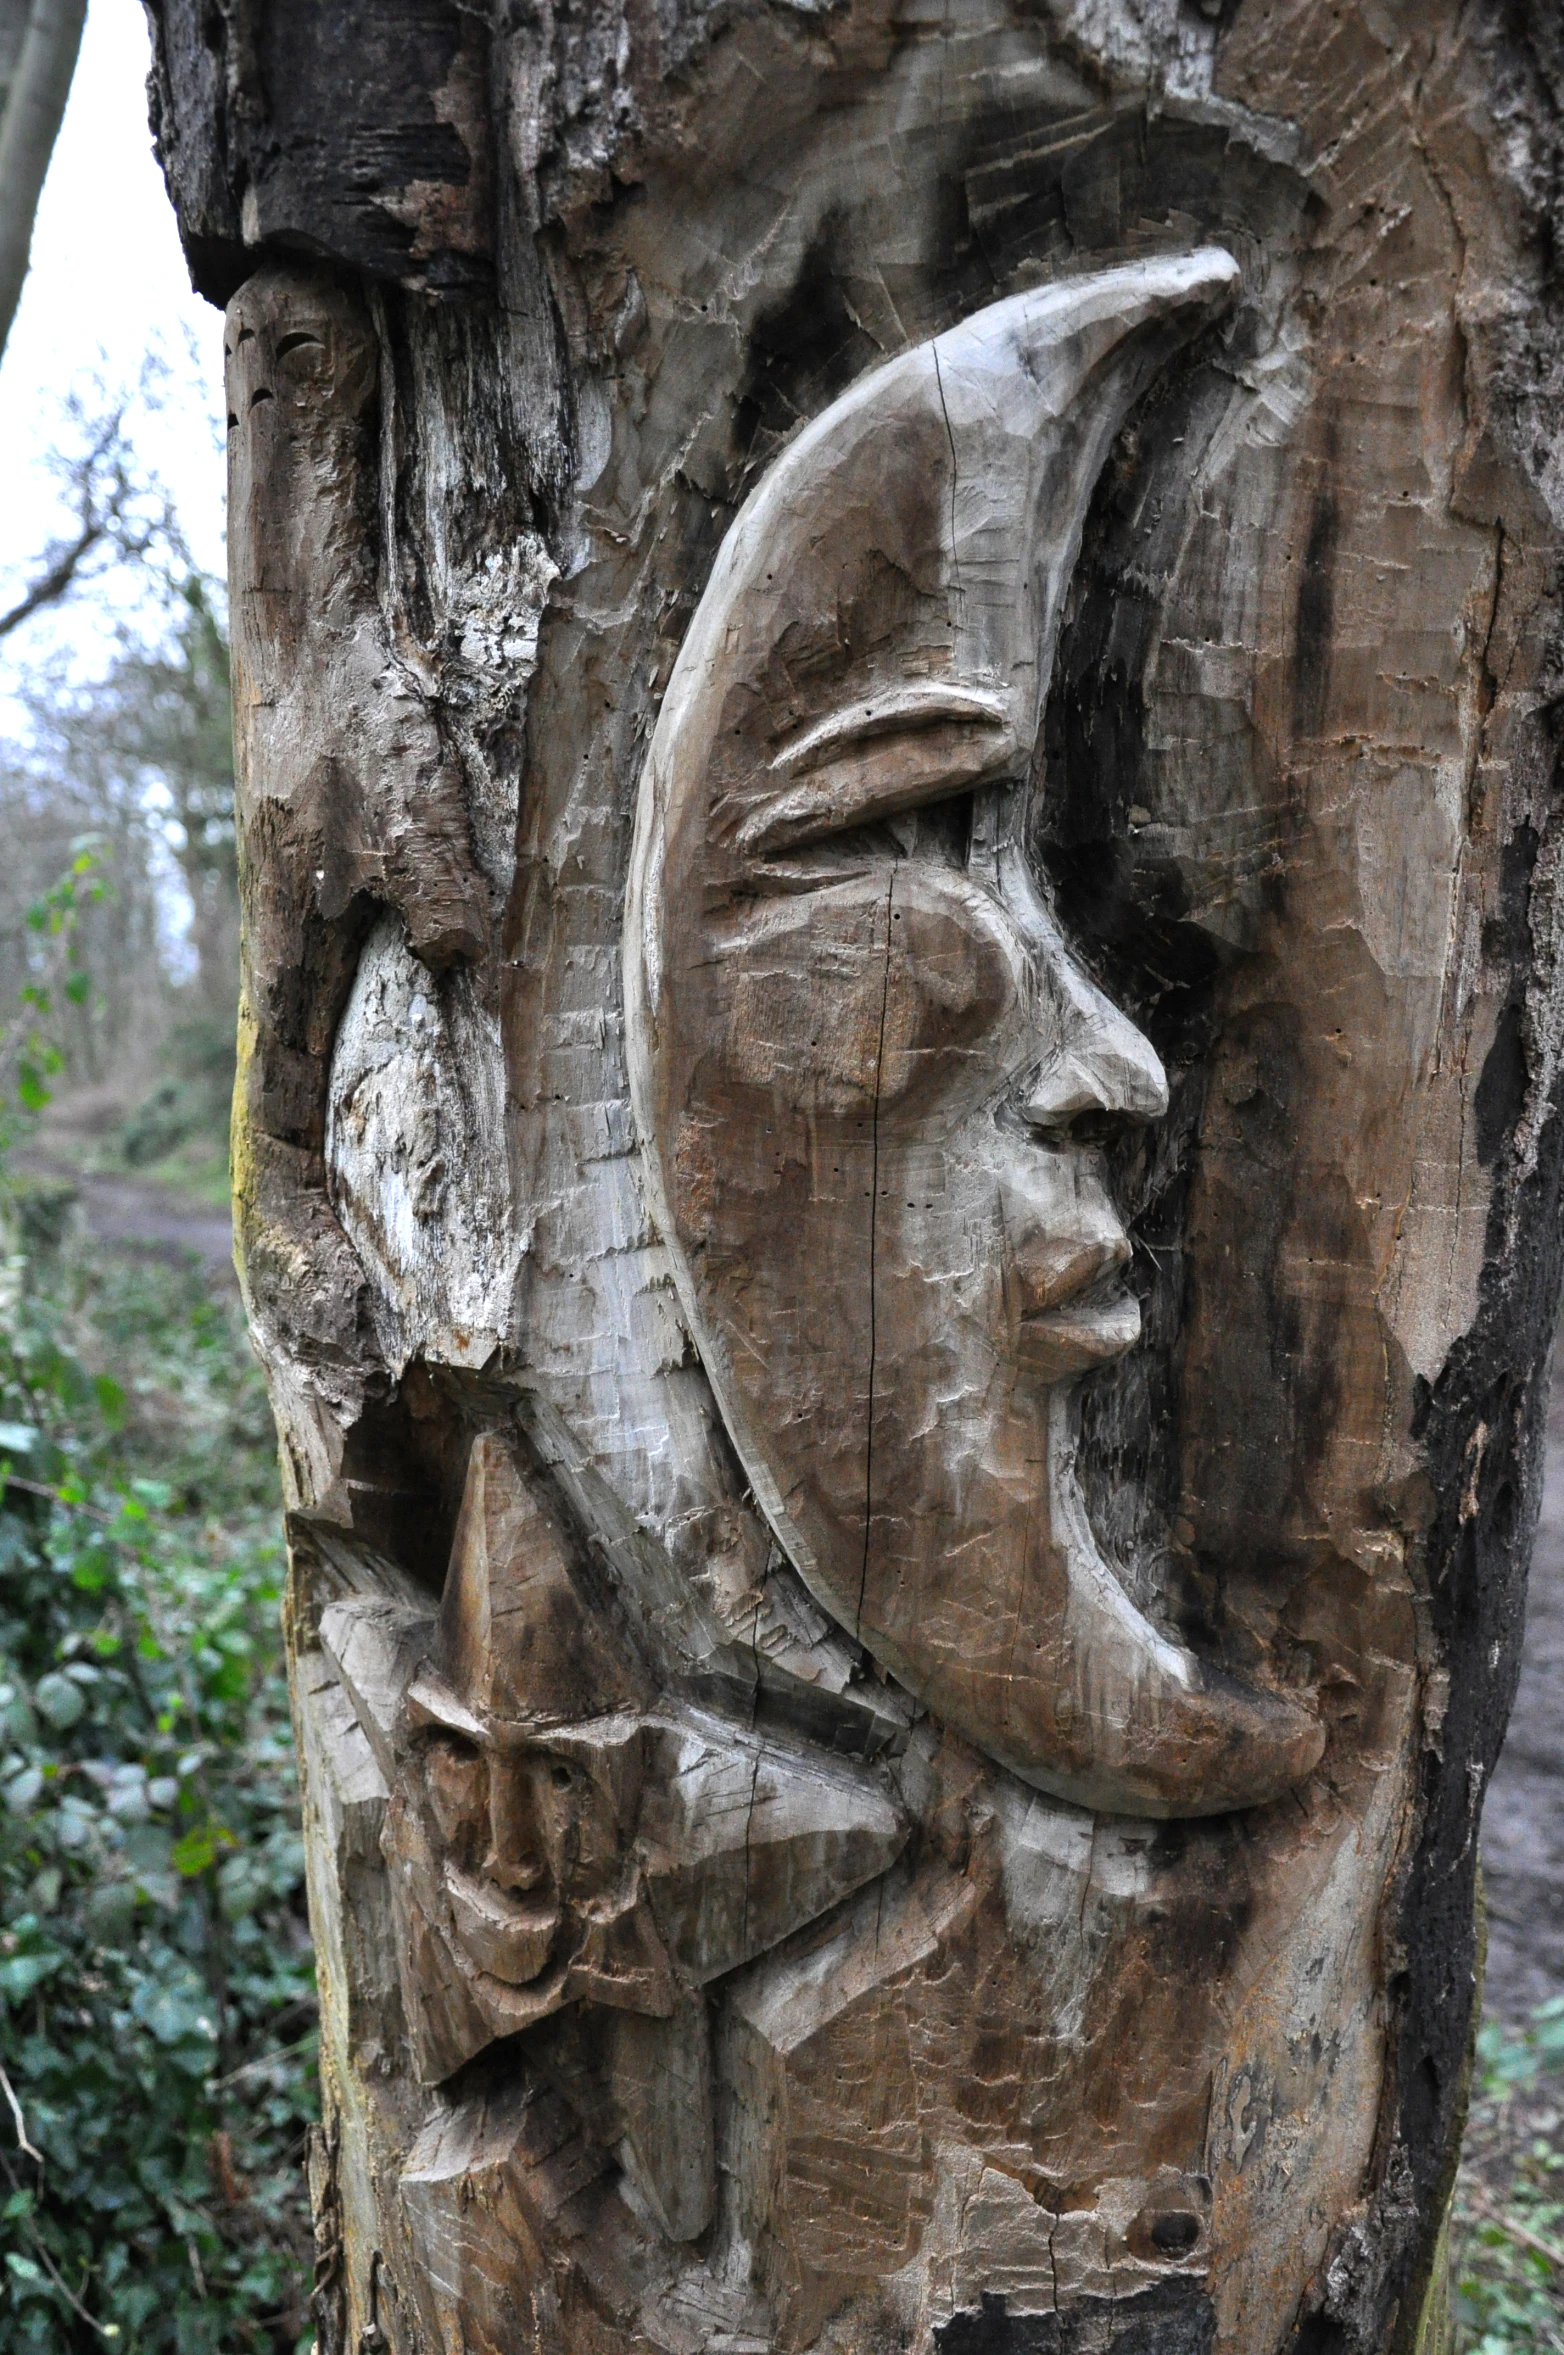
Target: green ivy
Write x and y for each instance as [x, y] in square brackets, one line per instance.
[1508, 2239]
[156, 1992]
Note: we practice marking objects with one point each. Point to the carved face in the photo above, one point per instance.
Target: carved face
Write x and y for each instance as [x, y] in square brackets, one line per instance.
[623, 1856]
[876, 1083]
[892, 1171]
[525, 1834]
[904, 1029]
[526, 1857]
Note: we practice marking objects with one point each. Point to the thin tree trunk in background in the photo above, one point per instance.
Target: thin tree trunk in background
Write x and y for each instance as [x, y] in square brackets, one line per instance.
[38, 47]
[897, 1149]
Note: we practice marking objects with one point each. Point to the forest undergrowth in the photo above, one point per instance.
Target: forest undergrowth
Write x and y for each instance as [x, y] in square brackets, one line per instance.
[157, 2036]
[1507, 2222]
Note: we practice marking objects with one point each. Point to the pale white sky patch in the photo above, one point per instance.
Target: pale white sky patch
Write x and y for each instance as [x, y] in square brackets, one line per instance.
[107, 286]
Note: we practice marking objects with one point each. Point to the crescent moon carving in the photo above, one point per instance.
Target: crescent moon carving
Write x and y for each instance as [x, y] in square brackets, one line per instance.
[869, 1074]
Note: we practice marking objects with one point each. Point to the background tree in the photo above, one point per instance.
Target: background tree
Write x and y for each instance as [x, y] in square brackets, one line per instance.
[39, 40]
[138, 765]
[156, 1983]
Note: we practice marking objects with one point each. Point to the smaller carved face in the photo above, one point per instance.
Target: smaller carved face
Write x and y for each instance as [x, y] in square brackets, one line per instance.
[530, 1845]
[515, 1825]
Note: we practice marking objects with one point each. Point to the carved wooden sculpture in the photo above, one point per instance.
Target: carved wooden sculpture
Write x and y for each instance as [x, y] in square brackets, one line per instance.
[897, 1144]
[876, 1153]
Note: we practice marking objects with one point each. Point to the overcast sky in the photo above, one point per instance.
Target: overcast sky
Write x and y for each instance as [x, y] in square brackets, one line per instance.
[107, 285]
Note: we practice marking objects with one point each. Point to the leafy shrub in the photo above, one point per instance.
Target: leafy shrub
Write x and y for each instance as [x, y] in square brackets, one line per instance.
[163, 1120]
[155, 1979]
[193, 1102]
[1508, 2220]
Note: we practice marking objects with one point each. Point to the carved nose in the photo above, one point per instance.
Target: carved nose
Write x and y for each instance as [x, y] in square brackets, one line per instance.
[515, 1873]
[517, 1858]
[1098, 1066]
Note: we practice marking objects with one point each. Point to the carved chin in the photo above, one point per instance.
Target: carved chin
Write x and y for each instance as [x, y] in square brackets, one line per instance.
[509, 1938]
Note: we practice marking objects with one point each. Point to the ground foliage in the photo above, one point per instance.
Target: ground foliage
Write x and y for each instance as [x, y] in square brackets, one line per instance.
[155, 1975]
[1507, 2224]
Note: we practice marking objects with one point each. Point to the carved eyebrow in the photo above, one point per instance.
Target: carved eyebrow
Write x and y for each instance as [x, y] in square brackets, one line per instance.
[918, 703]
[910, 744]
[430, 1701]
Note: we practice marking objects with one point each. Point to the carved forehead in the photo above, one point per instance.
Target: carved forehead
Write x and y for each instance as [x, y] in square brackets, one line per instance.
[434, 1707]
[837, 582]
[852, 575]
[317, 333]
[921, 528]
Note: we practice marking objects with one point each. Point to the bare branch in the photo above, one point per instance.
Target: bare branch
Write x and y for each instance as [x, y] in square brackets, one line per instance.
[21, 2122]
[55, 583]
[115, 508]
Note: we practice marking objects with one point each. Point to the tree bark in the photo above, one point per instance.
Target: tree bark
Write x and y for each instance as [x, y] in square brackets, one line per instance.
[38, 46]
[897, 1147]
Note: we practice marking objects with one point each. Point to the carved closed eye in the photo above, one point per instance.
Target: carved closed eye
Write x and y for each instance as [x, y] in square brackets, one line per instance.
[915, 743]
[457, 1749]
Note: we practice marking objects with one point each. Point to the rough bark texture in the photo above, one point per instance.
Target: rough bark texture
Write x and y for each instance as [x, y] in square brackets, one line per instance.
[1049, 1925]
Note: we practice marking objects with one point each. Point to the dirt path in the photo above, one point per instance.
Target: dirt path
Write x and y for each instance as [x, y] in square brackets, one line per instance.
[126, 1211]
[137, 1215]
[1523, 1821]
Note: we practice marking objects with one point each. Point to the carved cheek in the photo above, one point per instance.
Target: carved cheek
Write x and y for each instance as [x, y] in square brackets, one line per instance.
[456, 1782]
[592, 1839]
[890, 993]
[954, 1007]
[303, 361]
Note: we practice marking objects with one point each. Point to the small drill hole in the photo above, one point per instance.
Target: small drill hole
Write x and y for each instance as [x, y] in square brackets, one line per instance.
[1176, 2233]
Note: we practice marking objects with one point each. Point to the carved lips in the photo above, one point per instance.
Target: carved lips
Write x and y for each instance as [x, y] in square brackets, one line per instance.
[873, 1082]
[507, 1939]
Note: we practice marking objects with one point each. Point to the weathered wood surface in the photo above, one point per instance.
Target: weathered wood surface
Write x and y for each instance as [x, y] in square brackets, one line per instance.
[908, 1543]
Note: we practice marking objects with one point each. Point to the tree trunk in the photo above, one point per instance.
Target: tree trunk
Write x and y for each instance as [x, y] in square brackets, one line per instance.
[38, 46]
[897, 1148]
